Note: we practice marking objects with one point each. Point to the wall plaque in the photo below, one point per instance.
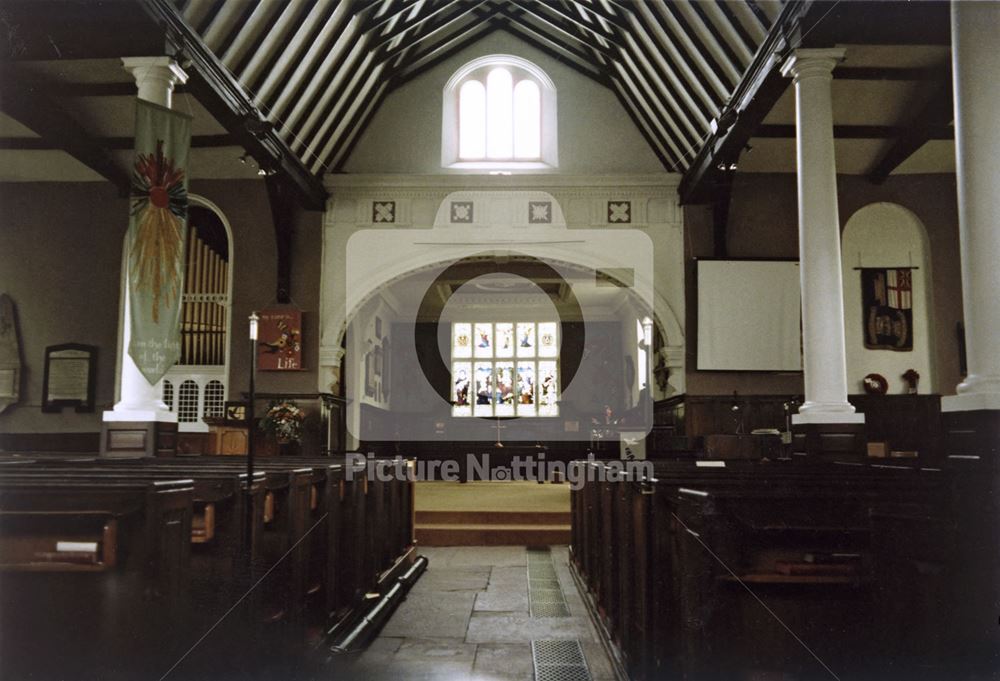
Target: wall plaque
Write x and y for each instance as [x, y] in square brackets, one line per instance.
[10, 354]
[70, 375]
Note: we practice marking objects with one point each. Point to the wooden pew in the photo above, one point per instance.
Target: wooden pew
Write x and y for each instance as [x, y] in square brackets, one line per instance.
[670, 603]
[309, 524]
[107, 607]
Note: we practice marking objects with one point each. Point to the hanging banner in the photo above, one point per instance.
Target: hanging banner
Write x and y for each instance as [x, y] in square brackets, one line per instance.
[887, 297]
[279, 344]
[156, 234]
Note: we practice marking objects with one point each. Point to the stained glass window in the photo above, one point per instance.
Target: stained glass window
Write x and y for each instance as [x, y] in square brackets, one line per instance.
[506, 368]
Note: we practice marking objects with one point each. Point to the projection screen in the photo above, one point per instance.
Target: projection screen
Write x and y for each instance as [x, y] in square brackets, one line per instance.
[749, 315]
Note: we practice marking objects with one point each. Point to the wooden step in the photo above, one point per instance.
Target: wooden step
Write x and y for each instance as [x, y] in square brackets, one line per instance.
[493, 517]
[491, 534]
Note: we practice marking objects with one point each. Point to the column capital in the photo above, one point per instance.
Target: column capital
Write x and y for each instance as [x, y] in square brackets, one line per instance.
[330, 356]
[160, 68]
[155, 77]
[812, 63]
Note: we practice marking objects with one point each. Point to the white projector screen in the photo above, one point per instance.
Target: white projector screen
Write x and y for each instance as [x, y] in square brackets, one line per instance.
[748, 315]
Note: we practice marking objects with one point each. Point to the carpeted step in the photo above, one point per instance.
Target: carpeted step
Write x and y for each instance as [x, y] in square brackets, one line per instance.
[491, 534]
[493, 517]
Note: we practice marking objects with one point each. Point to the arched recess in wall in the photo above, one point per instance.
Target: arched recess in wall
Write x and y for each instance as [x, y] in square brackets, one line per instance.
[197, 386]
[886, 239]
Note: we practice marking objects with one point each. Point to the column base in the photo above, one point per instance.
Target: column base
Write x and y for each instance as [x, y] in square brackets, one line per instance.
[131, 438]
[842, 440]
[828, 417]
[971, 402]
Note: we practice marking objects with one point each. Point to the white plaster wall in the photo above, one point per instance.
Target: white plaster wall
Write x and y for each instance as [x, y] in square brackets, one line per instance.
[887, 235]
[596, 135]
[583, 199]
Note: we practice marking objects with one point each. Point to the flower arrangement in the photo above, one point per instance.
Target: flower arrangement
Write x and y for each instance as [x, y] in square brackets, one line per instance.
[284, 420]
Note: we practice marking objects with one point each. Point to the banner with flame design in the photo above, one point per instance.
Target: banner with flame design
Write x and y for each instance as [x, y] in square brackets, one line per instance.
[156, 235]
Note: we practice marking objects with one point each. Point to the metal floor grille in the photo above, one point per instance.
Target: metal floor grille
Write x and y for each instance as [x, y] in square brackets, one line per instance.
[545, 597]
[559, 661]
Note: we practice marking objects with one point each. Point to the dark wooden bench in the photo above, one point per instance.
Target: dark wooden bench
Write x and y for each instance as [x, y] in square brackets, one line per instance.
[320, 543]
[670, 562]
[94, 575]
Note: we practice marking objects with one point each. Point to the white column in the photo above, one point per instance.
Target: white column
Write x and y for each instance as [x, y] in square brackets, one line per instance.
[155, 78]
[825, 370]
[975, 65]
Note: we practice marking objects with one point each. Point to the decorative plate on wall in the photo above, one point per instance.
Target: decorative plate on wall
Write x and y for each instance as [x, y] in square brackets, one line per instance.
[875, 384]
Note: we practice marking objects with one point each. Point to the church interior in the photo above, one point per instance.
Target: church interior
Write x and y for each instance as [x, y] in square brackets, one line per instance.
[499, 340]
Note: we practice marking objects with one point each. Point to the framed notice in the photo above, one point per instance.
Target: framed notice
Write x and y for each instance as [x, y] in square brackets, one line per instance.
[279, 340]
[70, 375]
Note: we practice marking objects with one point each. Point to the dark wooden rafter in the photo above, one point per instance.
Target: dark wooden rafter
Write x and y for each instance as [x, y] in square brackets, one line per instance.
[420, 63]
[936, 114]
[405, 26]
[332, 39]
[697, 74]
[562, 53]
[674, 100]
[705, 52]
[645, 70]
[37, 107]
[381, 55]
[320, 97]
[595, 28]
[353, 94]
[549, 15]
[598, 10]
[636, 92]
[579, 43]
[617, 43]
[758, 14]
[637, 112]
[380, 21]
[223, 96]
[109, 89]
[282, 209]
[857, 132]
[113, 143]
[878, 23]
[754, 97]
[637, 121]
[734, 21]
[434, 54]
[436, 26]
[345, 145]
[721, 200]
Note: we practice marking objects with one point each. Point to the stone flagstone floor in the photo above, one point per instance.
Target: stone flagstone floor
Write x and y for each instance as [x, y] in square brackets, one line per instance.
[467, 619]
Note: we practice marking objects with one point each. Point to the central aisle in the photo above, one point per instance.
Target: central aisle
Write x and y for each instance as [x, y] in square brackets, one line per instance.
[469, 617]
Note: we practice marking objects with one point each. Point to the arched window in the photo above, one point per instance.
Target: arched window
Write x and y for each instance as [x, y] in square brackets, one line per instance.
[215, 397]
[499, 112]
[187, 402]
